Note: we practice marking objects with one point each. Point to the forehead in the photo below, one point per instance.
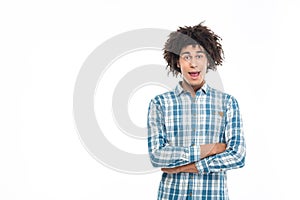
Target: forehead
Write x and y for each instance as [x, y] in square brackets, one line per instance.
[193, 48]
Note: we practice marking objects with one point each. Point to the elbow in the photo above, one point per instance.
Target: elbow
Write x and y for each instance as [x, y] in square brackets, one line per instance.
[155, 161]
[241, 158]
[237, 159]
[241, 162]
[155, 164]
[158, 159]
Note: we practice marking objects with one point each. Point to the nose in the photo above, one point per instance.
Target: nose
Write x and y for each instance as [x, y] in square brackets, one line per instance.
[193, 63]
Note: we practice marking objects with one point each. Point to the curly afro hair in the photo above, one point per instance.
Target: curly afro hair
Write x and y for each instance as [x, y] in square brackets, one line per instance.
[196, 35]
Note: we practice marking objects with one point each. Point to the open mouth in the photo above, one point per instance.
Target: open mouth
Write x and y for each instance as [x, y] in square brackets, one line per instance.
[194, 74]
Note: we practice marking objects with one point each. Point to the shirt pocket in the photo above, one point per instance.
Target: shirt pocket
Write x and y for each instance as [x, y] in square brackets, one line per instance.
[214, 126]
[218, 124]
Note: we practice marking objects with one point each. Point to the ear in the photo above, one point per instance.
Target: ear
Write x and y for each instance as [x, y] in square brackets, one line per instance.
[178, 65]
[207, 66]
[178, 68]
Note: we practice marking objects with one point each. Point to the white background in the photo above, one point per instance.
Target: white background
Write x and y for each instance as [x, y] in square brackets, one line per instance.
[44, 44]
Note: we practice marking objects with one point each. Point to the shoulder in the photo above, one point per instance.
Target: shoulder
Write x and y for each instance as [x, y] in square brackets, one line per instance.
[161, 101]
[226, 98]
[164, 97]
[218, 93]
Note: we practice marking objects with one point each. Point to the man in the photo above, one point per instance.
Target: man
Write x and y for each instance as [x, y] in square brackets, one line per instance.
[195, 132]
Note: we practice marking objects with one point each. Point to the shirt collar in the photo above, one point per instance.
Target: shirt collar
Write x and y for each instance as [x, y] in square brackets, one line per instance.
[179, 90]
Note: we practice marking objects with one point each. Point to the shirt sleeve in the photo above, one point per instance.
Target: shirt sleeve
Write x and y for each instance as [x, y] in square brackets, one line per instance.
[160, 152]
[234, 155]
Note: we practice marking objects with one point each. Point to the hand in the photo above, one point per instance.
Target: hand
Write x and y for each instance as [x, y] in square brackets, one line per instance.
[212, 149]
[219, 148]
[174, 170]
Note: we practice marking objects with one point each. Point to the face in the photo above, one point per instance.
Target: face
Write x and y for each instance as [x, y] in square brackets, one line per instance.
[193, 64]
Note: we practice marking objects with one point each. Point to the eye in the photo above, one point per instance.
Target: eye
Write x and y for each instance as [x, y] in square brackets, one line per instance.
[199, 56]
[187, 57]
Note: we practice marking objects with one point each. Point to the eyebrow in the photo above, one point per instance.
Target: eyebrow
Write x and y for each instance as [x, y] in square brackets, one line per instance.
[188, 53]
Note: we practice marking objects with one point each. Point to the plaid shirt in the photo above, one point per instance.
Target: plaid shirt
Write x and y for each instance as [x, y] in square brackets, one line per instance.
[178, 124]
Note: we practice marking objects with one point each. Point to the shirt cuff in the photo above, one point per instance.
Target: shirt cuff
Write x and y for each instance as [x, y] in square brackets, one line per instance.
[202, 166]
[194, 153]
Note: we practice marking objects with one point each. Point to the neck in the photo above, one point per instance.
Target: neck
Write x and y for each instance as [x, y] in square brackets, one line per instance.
[192, 89]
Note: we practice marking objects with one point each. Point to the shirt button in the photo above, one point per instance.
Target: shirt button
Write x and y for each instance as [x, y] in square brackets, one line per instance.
[190, 194]
[193, 145]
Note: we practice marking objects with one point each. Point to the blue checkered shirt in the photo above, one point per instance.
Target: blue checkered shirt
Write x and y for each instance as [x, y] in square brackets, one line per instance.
[178, 124]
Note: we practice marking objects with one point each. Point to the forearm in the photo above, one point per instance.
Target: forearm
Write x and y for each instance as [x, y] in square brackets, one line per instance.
[173, 156]
[189, 168]
[205, 151]
[232, 158]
